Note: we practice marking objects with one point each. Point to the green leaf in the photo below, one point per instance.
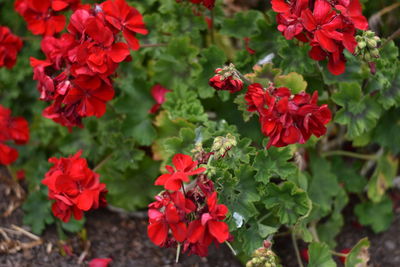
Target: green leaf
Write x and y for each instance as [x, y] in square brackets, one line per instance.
[348, 175]
[73, 226]
[358, 256]
[244, 24]
[211, 59]
[274, 163]
[323, 186]
[241, 102]
[377, 215]
[387, 131]
[37, 212]
[359, 113]
[383, 177]
[294, 81]
[320, 255]
[287, 202]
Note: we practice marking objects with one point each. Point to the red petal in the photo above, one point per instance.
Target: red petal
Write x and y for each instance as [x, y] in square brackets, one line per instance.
[100, 262]
[179, 231]
[157, 233]
[219, 230]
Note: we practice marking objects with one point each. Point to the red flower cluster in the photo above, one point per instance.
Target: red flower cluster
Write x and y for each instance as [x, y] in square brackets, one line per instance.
[10, 45]
[11, 129]
[43, 16]
[193, 218]
[328, 25]
[226, 79]
[207, 3]
[158, 92]
[76, 75]
[286, 118]
[74, 187]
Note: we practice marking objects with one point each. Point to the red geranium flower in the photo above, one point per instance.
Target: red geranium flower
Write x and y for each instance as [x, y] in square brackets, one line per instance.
[184, 167]
[41, 19]
[158, 92]
[169, 213]
[226, 81]
[14, 129]
[210, 226]
[10, 45]
[287, 119]
[74, 187]
[126, 19]
[76, 76]
[329, 27]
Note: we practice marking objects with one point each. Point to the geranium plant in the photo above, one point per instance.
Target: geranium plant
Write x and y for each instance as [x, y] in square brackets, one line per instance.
[229, 126]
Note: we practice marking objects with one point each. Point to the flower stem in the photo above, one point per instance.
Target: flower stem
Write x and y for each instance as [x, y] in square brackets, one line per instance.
[178, 252]
[339, 254]
[101, 163]
[296, 250]
[231, 248]
[349, 154]
[60, 232]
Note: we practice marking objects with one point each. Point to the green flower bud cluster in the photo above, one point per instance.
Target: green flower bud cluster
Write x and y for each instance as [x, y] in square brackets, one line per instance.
[367, 46]
[222, 144]
[263, 257]
[228, 71]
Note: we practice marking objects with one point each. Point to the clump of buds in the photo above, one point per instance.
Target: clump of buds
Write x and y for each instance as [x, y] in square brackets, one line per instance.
[367, 46]
[222, 144]
[263, 257]
[227, 79]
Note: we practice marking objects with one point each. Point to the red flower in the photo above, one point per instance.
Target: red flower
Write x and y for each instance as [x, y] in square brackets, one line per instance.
[287, 119]
[193, 218]
[169, 213]
[210, 226]
[323, 23]
[100, 262]
[11, 129]
[352, 10]
[74, 187]
[226, 81]
[329, 27]
[126, 19]
[184, 167]
[289, 21]
[10, 45]
[41, 19]
[158, 92]
[76, 76]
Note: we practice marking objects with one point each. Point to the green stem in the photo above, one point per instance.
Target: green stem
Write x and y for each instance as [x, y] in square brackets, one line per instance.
[178, 252]
[60, 232]
[296, 250]
[231, 248]
[264, 217]
[339, 254]
[349, 154]
[101, 163]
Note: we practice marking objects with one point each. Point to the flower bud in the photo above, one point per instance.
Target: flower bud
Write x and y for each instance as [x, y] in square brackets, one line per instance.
[375, 53]
[222, 144]
[361, 45]
[372, 43]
